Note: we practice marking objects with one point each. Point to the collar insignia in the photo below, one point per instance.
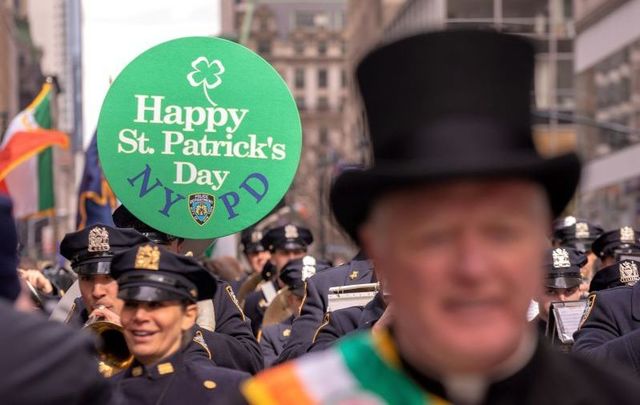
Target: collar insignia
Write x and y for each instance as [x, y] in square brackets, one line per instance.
[582, 230]
[136, 371]
[628, 273]
[627, 234]
[560, 258]
[148, 258]
[286, 332]
[98, 240]
[353, 275]
[291, 232]
[165, 368]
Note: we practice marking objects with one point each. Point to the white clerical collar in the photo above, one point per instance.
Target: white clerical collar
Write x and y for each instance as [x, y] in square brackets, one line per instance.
[470, 389]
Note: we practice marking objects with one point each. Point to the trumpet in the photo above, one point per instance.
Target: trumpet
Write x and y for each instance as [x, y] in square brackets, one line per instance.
[113, 353]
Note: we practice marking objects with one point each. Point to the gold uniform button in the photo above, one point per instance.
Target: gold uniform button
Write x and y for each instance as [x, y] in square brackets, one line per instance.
[208, 384]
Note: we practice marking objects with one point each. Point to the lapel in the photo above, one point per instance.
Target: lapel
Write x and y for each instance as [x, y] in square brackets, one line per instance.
[635, 302]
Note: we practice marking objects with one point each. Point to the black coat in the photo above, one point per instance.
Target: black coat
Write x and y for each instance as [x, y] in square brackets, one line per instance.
[550, 378]
[232, 344]
[272, 340]
[178, 379]
[47, 363]
[316, 302]
[611, 327]
[345, 321]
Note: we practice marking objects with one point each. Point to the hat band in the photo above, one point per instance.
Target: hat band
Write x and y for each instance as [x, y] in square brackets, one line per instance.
[91, 256]
[159, 280]
[93, 268]
[565, 275]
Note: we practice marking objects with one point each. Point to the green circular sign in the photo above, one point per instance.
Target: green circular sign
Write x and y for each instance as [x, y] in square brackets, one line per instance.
[199, 137]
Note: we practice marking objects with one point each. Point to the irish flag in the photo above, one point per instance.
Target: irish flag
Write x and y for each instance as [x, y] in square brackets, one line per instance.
[26, 158]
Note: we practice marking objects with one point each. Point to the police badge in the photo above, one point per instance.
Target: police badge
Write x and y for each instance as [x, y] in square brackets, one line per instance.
[98, 240]
[627, 234]
[560, 258]
[582, 230]
[201, 206]
[628, 273]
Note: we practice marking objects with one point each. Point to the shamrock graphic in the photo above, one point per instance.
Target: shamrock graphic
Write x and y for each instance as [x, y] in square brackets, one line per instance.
[207, 74]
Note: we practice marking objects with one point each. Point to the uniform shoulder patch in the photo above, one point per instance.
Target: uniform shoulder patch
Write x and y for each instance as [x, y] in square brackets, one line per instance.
[233, 298]
[199, 339]
[590, 303]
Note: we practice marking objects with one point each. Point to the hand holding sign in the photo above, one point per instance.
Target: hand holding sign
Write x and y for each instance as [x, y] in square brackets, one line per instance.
[199, 137]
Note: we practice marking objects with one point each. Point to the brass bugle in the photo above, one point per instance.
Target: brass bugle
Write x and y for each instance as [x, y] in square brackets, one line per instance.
[113, 353]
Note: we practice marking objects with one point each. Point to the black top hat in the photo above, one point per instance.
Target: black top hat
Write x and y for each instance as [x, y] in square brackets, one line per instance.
[563, 267]
[150, 273]
[576, 233]
[616, 275]
[9, 282]
[251, 241]
[623, 241]
[297, 271]
[287, 237]
[448, 105]
[91, 249]
[123, 218]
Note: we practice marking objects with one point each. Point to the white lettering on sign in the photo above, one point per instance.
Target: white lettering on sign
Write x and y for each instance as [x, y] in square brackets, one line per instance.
[187, 173]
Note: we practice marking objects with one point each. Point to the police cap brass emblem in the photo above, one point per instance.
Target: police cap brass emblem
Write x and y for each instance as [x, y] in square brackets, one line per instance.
[201, 206]
[98, 240]
[582, 230]
[560, 258]
[148, 258]
[291, 232]
[627, 234]
[628, 273]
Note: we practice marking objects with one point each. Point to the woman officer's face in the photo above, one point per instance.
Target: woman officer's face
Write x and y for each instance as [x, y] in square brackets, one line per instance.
[153, 330]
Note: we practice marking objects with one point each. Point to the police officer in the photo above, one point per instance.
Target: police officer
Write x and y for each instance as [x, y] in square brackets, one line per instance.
[42, 362]
[90, 251]
[562, 282]
[610, 327]
[160, 290]
[578, 234]
[292, 277]
[616, 275]
[232, 339]
[255, 253]
[616, 245]
[285, 243]
[314, 307]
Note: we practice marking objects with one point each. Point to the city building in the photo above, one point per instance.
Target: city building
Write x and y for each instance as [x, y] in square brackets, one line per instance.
[305, 42]
[607, 68]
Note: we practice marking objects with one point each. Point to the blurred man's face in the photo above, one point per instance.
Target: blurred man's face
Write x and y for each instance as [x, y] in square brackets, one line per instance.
[257, 260]
[554, 295]
[462, 261]
[100, 290]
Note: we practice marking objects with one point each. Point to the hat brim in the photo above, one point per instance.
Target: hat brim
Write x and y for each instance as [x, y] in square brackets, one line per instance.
[563, 282]
[354, 192]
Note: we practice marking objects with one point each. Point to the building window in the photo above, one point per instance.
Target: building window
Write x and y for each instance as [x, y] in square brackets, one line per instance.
[298, 47]
[264, 47]
[343, 78]
[322, 78]
[322, 48]
[305, 19]
[300, 103]
[299, 78]
[323, 135]
[323, 104]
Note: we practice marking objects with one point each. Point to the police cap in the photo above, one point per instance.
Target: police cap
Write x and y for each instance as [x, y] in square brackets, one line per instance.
[150, 273]
[287, 237]
[251, 241]
[624, 240]
[576, 233]
[618, 274]
[563, 267]
[91, 249]
[297, 271]
[123, 218]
